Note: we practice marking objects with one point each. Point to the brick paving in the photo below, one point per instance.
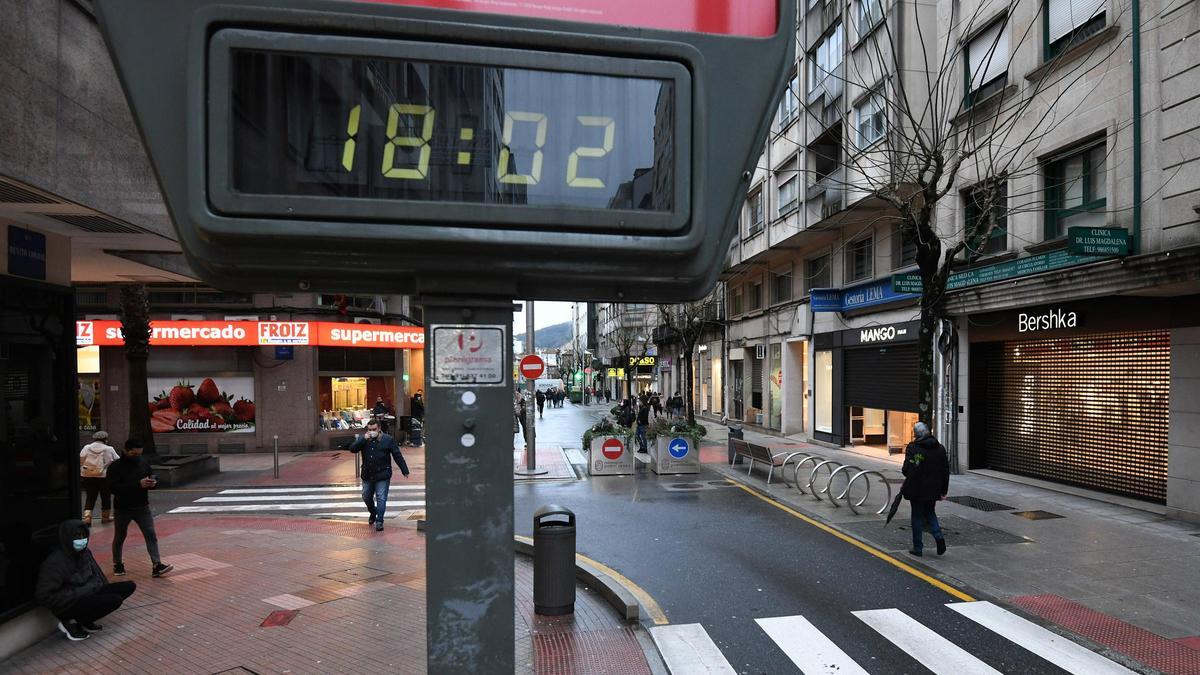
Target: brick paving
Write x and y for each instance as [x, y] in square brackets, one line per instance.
[348, 600]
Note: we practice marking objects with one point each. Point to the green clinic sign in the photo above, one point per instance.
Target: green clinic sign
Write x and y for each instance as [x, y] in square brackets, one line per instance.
[1098, 241]
[907, 283]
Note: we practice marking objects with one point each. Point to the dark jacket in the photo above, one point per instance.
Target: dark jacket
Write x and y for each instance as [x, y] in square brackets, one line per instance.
[377, 456]
[643, 416]
[381, 409]
[123, 479]
[66, 574]
[926, 470]
[417, 407]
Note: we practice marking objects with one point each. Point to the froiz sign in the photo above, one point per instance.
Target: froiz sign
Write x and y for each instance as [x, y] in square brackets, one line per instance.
[1052, 319]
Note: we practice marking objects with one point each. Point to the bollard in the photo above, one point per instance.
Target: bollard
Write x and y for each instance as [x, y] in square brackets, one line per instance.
[277, 455]
[553, 561]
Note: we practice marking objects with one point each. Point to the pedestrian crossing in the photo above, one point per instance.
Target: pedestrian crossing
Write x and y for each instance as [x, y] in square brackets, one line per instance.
[333, 501]
[687, 648]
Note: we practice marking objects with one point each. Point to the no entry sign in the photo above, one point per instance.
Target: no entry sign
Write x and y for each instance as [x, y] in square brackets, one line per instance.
[612, 448]
[532, 366]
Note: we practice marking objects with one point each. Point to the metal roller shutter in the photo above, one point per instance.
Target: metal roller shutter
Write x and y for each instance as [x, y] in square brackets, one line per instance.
[882, 377]
[1091, 411]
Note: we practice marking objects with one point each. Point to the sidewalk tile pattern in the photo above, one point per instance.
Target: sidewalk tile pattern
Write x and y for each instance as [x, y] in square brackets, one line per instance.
[1168, 656]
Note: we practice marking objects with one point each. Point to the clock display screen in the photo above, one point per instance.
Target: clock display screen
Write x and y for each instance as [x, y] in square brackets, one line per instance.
[424, 130]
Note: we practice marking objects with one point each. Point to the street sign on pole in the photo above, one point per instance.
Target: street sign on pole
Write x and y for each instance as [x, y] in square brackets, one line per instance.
[532, 366]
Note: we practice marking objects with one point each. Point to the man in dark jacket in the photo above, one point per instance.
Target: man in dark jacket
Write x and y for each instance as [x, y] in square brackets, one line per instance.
[643, 422]
[378, 450]
[540, 398]
[926, 481]
[131, 480]
[71, 585]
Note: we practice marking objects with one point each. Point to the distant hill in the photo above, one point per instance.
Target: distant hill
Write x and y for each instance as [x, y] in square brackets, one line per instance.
[549, 337]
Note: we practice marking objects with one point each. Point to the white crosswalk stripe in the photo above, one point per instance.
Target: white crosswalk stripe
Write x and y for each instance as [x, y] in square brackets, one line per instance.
[688, 648]
[340, 501]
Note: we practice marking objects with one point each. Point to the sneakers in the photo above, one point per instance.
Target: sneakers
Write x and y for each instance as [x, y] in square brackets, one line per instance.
[941, 546]
[118, 569]
[371, 520]
[161, 569]
[73, 631]
[91, 627]
[379, 526]
[915, 552]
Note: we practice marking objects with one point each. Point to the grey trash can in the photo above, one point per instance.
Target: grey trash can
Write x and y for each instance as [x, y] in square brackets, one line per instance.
[553, 561]
[734, 432]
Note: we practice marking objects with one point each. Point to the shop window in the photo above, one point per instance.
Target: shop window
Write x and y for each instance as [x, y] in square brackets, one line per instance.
[904, 246]
[347, 402]
[1070, 22]
[818, 272]
[789, 107]
[756, 298]
[754, 214]
[781, 286]
[871, 120]
[1075, 191]
[986, 63]
[776, 386]
[351, 359]
[870, 13]
[986, 206]
[859, 256]
[823, 391]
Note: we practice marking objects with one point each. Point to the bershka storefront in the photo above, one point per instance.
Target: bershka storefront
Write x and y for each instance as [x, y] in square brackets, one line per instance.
[236, 385]
[1087, 393]
[865, 386]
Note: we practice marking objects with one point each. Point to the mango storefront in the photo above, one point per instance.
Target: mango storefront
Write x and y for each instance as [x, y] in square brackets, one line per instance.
[221, 386]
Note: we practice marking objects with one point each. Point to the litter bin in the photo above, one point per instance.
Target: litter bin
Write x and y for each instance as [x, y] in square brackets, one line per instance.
[553, 561]
[734, 432]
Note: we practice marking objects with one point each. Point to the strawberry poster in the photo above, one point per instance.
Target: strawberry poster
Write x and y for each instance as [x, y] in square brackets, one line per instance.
[201, 405]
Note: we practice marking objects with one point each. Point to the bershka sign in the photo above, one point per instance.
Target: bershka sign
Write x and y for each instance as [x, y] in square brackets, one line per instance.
[107, 333]
[1051, 319]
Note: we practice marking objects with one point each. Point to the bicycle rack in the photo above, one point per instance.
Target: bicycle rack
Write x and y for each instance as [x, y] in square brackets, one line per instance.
[783, 469]
[813, 477]
[863, 474]
[829, 483]
[815, 459]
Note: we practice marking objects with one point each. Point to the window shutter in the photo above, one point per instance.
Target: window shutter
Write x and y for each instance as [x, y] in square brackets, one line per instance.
[1067, 15]
[987, 55]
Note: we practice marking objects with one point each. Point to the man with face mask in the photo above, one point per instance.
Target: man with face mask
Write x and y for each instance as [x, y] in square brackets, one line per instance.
[378, 450]
[71, 585]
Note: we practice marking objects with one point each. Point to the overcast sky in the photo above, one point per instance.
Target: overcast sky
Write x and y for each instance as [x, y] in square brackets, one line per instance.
[544, 314]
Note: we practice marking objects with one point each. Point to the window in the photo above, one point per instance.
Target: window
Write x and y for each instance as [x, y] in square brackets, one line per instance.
[904, 247]
[871, 120]
[870, 13]
[735, 301]
[781, 286]
[825, 58]
[1069, 22]
[826, 153]
[858, 260]
[754, 207]
[987, 62]
[789, 191]
[818, 272]
[983, 205]
[789, 107]
[1075, 191]
[755, 295]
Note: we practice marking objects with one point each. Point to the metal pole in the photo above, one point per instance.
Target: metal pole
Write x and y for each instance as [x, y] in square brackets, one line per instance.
[277, 455]
[531, 468]
[357, 464]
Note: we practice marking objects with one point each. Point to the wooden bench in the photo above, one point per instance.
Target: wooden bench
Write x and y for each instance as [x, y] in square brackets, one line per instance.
[757, 453]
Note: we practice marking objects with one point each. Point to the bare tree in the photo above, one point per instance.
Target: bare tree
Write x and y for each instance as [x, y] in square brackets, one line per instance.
[628, 339]
[687, 322]
[941, 116]
[135, 325]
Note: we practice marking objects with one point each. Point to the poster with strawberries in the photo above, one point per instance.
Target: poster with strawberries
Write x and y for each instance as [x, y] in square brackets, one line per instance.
[201, 404]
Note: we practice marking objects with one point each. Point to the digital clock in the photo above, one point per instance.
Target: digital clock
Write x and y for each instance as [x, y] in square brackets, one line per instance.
[370, 128]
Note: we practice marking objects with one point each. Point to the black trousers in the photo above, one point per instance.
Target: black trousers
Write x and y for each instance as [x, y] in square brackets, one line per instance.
[104, 602]
[96, 486]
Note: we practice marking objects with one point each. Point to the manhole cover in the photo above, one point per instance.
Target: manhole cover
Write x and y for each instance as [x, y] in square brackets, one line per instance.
[1037, 515]
[687, 486]
[355, 574]
[977, 503]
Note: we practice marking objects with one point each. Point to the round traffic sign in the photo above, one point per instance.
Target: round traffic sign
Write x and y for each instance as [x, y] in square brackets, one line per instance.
[678, 448]
[612, 448]
[532, 366]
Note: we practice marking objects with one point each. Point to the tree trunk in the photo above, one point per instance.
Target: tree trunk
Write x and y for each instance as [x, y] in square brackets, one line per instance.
[135, 325]
[689, 399]
[925, 376]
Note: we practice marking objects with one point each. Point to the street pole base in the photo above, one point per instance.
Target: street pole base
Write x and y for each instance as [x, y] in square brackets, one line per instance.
[531, 472]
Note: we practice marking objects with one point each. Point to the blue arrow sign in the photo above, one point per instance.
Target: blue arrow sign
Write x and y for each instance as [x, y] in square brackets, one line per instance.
[678, 448]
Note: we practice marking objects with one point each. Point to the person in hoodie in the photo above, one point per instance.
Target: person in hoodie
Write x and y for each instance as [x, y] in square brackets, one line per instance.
[131, 480]
[926, 482]
[94, 459]
[71, 585]
[378, 450]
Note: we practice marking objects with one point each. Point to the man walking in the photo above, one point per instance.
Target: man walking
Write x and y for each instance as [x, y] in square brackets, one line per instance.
[540, 398]
[131, 480]
[378, 450]
[643, 421]
[926, 481]
[71, 585]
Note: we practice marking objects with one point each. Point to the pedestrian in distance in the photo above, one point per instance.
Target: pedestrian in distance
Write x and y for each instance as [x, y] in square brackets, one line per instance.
[94, 460]
[643, 421]
[926, 481]
[541, 402]
[656, 404]
[131, 478]
[378, 451]
[416, 405]
[71, 585]
[520, 414]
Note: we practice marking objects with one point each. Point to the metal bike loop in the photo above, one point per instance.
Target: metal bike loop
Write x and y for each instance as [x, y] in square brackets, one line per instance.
[815, 459]
[813, 476]
[835, 472]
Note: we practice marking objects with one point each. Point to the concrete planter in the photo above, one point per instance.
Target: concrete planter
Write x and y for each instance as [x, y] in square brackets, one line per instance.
[673, 455]
[610, 456]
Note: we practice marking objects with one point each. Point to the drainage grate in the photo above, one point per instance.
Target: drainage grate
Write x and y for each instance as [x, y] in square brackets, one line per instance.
[356, 574]
[1037, 515]
[977, 503]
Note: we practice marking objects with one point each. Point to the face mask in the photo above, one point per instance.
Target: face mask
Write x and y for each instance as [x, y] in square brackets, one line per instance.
[80, 544]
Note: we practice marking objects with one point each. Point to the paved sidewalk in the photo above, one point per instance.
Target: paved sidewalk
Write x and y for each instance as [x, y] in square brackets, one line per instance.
[1124, 577]
[293, 595]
